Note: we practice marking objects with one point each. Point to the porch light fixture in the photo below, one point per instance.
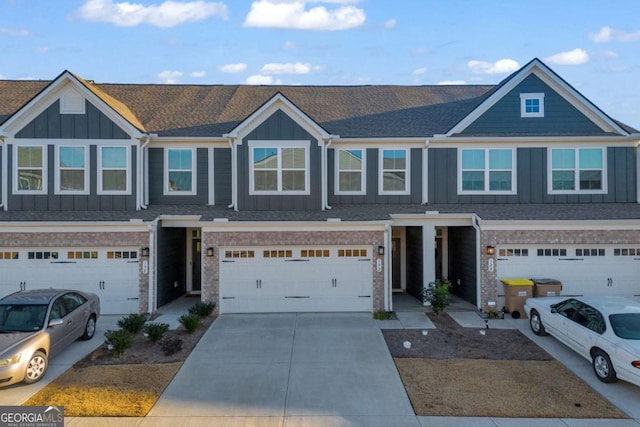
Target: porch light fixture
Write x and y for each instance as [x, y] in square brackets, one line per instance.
[144, 251]
[380, 250]
[210, 251]
[491, 250]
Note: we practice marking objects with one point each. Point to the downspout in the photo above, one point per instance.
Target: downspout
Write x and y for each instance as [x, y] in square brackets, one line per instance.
[5, 174]
[388, 292]
[425, 173]
[476, 224]
[142, 171]
[234, 176]
[637, 172]
[151, 292]
[325, 174]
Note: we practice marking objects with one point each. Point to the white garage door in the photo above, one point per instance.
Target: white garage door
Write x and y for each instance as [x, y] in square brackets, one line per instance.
[583, 270]
[111, 273]
[295, 279]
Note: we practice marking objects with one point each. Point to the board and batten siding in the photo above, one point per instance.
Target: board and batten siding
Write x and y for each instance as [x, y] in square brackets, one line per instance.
[531, 178]
[76, 202]
[222, 175]
[560, 117]
[372, 195]
[280, 127]
[157, 183]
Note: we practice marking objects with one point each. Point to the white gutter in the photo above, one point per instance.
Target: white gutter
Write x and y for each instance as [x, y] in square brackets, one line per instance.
[425, 173]
[388, 292]
[152, 298]
[325, 174]
[476, 224]
[142, 170]
[5, 174]
[234, 176]
[637, 173]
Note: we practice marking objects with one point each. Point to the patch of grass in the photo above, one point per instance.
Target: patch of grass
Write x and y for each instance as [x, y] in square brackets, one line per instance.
[107, 390]
[383, 315]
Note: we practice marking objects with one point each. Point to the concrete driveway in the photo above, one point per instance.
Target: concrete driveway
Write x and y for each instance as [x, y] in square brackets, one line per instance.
[298, 369]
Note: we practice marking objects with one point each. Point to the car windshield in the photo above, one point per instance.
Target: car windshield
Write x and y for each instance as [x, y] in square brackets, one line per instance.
[626, 325]
[22, 317]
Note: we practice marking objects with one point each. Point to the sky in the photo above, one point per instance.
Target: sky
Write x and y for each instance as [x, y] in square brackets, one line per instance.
[593, 44]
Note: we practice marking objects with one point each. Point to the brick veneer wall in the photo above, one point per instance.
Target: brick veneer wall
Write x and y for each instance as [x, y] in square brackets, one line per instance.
[210, 279]
[83, 240]
[489, 279]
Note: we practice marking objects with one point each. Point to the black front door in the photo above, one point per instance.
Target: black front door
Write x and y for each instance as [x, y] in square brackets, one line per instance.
[395, 267]
[196, 255]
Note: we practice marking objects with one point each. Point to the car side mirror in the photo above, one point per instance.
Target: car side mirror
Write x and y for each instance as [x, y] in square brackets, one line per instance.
[554, 309]
[55, 322]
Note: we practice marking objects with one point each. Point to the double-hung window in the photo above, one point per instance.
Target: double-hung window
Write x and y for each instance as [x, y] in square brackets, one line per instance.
[394, 171]
[488, 170]
[350, 171]
[31, 177]
[279, 168]
[180, 171]
[72, 174]
[113, 176]
[577, 170]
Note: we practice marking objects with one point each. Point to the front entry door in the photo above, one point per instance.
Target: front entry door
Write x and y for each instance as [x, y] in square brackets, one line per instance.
[395, 260]
[196, 254]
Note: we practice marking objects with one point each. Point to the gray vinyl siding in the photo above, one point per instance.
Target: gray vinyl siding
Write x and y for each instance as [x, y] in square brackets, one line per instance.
[156, 180]
[58, 202]
[372, 190]
[280, 127]
[91, 125]
[532, 179]
[462, 262]
[560, 117]
[222, 175]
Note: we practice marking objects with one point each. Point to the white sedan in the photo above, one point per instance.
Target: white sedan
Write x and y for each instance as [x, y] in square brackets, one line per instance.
[602, 329]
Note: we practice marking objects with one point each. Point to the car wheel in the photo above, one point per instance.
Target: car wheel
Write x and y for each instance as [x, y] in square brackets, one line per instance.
[89, 328]
[536, 324]
[603, 368]
[36, 368]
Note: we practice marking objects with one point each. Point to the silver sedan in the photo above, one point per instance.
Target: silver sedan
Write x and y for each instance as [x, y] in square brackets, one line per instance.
[36, 325]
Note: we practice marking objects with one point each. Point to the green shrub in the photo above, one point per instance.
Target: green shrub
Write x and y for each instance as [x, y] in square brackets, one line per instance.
[190, 322]
[171, 346]
[118, 341]
[438, 293]
[383, 315]
[493, 315]
[202, 309]
[155, 331]
[132, 323]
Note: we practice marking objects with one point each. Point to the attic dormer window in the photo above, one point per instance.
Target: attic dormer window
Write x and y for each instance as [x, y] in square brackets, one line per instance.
[532, 105]
[71, 102]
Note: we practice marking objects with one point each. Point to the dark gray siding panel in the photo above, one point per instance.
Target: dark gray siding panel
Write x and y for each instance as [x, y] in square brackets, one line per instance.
[91, 125]
[462, 267]
[222, 178]
[172, 268]
[415, 271]
[372, 175]
[560, 117]
[280, 127]
[156, 180]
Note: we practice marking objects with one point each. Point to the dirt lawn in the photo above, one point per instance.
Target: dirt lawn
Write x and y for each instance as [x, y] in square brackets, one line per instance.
[455, 371]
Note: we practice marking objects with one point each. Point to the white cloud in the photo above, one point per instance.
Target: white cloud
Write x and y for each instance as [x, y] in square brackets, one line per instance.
[262, 80]
[607, 34]
[289, 46]
[419, 71]
[233, 68]
[288, 68]
[501, 66]
[572, 57]
[390, 23]
[198, 74]
[167, 14]
[170, 77]
[19, 32]
[293, 14]
[452, 82]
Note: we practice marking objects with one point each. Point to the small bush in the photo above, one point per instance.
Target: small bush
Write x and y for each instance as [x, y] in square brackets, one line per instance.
[383, 315]
[190, 322]
[494, 315]
[132, 323]
[202, 309]
[155, 331]
[118, 341]
[171, 346]
[438, 293]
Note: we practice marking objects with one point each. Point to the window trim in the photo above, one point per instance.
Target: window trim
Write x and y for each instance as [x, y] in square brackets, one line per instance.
[194, 172]
[127, 170]
[381, 170]
[279, 145]
[487, 190]
[86, 170]
[337, 170]
[523, 104]
[576, 171]
[16, 168]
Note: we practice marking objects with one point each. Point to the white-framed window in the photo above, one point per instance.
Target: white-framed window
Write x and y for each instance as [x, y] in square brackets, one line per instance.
[486, 171]
[532, 105]
[350, 167]
[394, 171]
[279, 167]
[577, 170]
[72, 175]
[30, 171]
[180, 171]
[113, 170]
